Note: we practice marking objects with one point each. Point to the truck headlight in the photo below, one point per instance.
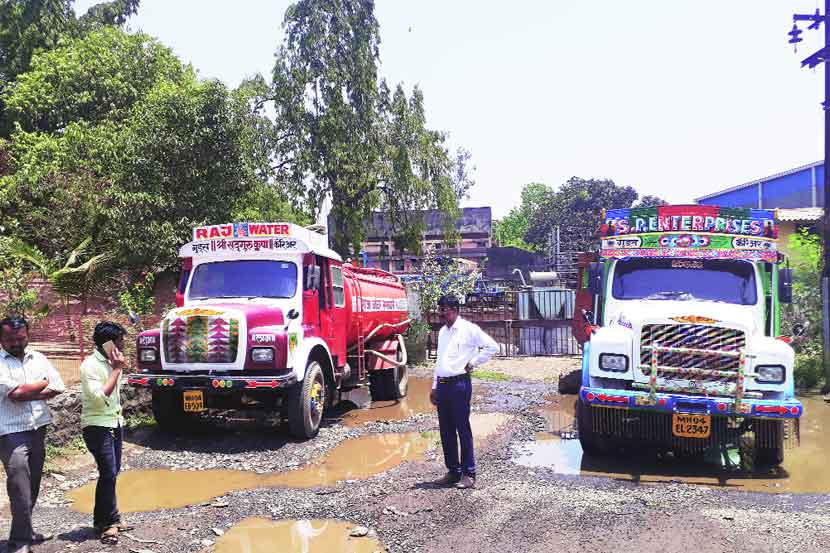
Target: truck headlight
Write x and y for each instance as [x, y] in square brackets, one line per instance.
[770, 374]
[262, 355]
[147, 355]
[613, 362]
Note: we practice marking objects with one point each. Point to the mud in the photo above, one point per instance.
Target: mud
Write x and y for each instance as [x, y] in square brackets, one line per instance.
[257, 535]
[803, 470]
[353, 459]
[416, 402]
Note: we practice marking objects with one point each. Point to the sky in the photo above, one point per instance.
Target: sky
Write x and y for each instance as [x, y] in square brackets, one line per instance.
[677, 99]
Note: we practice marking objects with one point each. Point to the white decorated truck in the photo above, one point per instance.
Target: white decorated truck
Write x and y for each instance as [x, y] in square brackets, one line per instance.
[682, 321]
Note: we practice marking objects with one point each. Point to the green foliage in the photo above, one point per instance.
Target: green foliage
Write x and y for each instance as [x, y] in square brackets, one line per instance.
[809, 371]
[577, 209]
[346, 136]
[31, 26]
[76, 279]
[137, 299]
[98, 77]
[442, 276]
[651, 201]
[16, 294]
[511, 230]
[805, 252]
[492, 376]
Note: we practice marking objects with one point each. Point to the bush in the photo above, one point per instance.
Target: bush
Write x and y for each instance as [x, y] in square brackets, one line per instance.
[808, 371]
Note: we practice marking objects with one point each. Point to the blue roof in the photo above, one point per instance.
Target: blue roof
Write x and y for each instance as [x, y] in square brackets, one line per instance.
[795, 188]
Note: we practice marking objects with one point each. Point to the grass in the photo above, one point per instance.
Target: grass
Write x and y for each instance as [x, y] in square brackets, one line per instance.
[137, 421]
[490, 375]
[54, 453]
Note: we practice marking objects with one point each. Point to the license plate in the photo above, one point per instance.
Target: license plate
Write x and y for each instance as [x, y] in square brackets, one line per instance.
[691, 426]
[194, 401]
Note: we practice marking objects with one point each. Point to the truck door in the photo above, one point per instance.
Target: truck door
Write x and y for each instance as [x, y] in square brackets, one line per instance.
[338, 314]
[326, 326]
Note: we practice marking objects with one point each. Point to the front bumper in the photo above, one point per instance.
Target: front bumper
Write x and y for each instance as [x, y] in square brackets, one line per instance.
[213, 383]
[671, 403]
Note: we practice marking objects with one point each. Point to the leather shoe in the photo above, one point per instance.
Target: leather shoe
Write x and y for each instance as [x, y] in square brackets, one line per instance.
[40, 538]
[466, 482]
[448, 479]
[18, 547]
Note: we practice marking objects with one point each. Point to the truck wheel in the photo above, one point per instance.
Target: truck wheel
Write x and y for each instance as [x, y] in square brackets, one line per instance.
[306, 402]
[772, 456]
[168, 410]
[390, 384]
[590, 441]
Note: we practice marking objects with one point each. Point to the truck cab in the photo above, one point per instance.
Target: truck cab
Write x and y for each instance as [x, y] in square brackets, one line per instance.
[684, 350]
[262, 321]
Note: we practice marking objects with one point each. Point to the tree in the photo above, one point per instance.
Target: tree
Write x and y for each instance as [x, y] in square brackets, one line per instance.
[75, 279]
[651, 201]
[511, 230]
[172, 152]
[98, 77]
[30, 26]
[345, 136]
[576, 209]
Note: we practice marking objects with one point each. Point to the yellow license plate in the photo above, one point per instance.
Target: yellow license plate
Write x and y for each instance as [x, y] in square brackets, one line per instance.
[691, 426]
[194, 401]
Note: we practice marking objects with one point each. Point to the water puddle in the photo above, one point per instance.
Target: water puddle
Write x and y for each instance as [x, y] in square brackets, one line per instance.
[258, 535]
[416, 402]
[354, 459]
[803, 469]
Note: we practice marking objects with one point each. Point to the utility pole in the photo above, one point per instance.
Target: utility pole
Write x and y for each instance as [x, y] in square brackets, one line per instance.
[822, 56]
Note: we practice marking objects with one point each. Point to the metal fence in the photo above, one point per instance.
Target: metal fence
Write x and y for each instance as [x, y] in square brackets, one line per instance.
[531, 322]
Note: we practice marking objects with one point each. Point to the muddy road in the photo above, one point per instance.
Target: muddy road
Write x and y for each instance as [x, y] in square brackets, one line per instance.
[362, 485]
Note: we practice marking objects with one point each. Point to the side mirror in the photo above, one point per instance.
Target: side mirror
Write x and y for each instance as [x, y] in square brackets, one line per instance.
[785, 285]
[312, 277]
[595, 278]
[293, 314]
[798, 329]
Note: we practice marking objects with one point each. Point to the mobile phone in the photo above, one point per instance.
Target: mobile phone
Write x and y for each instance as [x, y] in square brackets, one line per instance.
[108, 347]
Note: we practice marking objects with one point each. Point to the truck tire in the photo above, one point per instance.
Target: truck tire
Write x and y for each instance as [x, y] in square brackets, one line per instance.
[306, 402]
[588, 439]
[168, 410]
[390, 384]
[772, 456]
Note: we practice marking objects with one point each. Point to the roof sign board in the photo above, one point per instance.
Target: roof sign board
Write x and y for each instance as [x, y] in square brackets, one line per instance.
[233, 239]
[692, 231]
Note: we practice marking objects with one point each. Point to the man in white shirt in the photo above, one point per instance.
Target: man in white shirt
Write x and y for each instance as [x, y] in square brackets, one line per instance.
[462, 346]
[27, 380]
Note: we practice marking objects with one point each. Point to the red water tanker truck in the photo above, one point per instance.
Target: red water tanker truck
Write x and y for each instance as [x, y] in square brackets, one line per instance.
[268, 317]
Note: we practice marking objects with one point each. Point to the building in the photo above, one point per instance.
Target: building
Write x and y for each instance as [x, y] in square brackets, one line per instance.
[798, 194]
[474, 228]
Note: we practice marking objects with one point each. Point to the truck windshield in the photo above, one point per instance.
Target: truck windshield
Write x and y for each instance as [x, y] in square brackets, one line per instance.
[685, 280]
[244, 279]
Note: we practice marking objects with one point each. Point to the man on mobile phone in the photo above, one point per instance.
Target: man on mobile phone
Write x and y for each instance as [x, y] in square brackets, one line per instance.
[102, 422]
[27, 380]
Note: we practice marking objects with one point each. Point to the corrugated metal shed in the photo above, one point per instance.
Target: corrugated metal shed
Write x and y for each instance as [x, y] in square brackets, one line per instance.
[800, 187]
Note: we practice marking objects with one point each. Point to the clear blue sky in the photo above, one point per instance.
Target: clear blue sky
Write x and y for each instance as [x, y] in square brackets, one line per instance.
[677, 98]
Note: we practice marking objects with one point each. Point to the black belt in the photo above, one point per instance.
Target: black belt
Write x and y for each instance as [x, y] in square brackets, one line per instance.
[448, 379]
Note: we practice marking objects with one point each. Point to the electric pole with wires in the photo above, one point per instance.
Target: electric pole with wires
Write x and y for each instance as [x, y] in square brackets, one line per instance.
[816, 58]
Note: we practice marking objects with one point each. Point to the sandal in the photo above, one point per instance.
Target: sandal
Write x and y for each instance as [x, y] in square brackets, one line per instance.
[110, 536]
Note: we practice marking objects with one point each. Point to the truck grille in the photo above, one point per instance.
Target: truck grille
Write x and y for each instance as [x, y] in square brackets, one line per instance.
[201, 339]
[693, 337]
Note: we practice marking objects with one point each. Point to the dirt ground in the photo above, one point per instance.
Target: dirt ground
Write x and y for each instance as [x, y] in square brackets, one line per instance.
[514, 508]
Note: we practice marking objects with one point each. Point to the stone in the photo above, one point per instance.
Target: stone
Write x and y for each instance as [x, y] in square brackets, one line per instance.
[359, 532]
[218, 531]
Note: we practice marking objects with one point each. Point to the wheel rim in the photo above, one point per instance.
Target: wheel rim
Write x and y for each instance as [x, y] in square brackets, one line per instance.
[316, 400]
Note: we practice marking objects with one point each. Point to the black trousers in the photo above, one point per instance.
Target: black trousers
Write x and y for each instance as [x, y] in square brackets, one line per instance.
[105, 445]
